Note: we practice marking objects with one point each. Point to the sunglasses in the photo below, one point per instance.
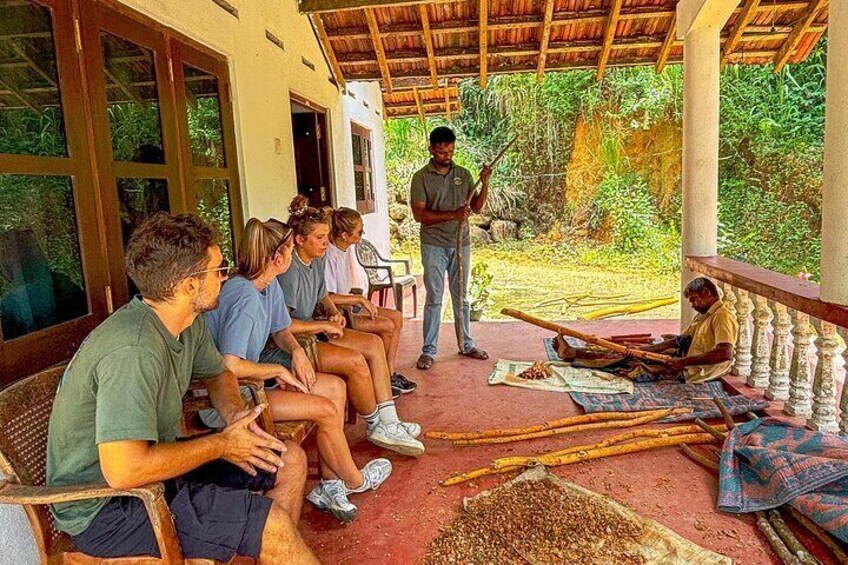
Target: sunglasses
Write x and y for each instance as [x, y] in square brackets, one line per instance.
[222, 270]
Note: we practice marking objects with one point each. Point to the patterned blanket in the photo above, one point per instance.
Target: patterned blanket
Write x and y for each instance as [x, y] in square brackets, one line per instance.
[650, 396]
[766, 463]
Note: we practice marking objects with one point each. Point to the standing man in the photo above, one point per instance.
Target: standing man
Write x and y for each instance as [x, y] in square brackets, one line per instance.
[439, 192]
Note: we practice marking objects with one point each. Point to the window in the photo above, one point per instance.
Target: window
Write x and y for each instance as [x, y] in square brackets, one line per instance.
[363, 177]
[148, 111]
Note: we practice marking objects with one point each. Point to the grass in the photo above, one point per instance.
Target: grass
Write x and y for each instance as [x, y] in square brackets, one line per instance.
[527, 273]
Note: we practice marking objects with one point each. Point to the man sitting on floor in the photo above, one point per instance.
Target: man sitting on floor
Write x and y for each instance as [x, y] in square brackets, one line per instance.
[703, 352]
[117, 413]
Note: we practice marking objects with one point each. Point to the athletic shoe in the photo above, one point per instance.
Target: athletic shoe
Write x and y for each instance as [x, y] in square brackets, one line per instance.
[395, 438]
[331, 496]
[405, 385]
[396, 392]
[413, 429]
[375, 473]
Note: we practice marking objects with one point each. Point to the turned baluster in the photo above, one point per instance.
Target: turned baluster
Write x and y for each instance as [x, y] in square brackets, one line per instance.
[729, 298]
[800, 401]
[742, 362]
[843, 400]
[823, 417]
[760, 354]
[778, 387]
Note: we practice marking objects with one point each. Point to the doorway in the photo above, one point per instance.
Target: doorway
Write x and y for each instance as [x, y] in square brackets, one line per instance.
[311, 153]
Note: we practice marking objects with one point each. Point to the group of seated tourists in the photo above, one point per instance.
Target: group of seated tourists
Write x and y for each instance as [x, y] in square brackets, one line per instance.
[116, 417]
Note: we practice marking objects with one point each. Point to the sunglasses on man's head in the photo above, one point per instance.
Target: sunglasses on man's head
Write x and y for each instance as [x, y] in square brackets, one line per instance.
[222, 270]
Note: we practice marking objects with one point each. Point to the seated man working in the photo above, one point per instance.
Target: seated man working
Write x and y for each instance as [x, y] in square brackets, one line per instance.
[117, 413]
[703, 352]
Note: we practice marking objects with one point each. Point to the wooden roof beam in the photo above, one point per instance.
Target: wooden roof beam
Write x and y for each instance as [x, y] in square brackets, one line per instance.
[17, 93]
[546, 37]
[665, 50]
[483, 18]
[125, 86]
[428, 42]
[742, 21]
[802, 27]
[318, 24]
[609, 36]
[420, 107]
[21, 52]
[312, 6]
[379, 50]
[448, 100]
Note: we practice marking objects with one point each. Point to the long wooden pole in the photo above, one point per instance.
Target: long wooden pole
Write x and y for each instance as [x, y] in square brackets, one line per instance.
[460, 332]
[588, 338]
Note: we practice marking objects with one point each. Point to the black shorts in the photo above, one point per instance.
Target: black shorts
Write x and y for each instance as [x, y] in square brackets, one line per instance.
[216, 512]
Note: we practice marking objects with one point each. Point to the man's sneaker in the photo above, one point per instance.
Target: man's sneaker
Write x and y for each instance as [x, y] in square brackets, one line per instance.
[375, 473]
[402, 383]
[395, 438]
[413, 429]
[331, 496]
[396, 392]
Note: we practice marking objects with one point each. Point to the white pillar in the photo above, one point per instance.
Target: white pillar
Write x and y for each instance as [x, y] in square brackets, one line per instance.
[699, 25]
[834, 261]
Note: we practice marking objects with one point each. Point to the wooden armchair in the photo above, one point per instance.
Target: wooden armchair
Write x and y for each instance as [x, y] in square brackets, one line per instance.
[24, 414]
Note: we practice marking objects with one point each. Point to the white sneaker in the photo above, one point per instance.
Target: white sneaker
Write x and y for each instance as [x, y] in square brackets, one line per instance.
[413, 429]
[395, 438]
[375, 473]
[331, 496]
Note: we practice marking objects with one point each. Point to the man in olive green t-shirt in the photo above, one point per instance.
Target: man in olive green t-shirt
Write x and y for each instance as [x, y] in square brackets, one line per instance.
[117, 411]
[438, 194]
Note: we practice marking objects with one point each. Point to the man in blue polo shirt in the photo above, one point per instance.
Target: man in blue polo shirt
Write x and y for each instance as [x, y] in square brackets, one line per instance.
[439, 192]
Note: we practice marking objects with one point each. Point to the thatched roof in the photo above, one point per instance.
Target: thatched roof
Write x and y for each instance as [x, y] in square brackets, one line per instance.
[424, 45]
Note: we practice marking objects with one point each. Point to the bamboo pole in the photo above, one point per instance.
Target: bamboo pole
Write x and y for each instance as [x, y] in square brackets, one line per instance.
[460, 328]
[591, 454]
[653, 417]
[588, 338]
[643, 306]
[513, 461]
[562, 422]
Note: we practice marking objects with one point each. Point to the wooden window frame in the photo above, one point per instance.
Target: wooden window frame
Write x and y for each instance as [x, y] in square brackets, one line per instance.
[93, 172]
[368, 205]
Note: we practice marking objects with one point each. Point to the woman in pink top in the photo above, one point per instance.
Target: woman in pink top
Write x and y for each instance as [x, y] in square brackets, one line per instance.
[347, 229]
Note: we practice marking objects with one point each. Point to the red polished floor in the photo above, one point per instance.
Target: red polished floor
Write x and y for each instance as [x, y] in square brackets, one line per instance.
[396, 523]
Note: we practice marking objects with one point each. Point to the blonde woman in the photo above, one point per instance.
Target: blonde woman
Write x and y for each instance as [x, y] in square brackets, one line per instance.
[252, 308]
[346, 231]
[357, 357]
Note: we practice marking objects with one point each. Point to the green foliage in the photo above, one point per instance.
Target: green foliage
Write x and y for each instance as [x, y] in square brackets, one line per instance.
[480, 287]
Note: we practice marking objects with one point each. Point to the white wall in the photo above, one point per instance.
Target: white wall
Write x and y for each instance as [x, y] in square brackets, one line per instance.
[263, 76]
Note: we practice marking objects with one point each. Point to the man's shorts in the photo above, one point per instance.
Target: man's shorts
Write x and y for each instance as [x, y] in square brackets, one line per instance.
[216, 512]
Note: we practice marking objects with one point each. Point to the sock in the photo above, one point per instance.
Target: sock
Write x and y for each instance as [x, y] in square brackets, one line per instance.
[372, 419]
[387, 412]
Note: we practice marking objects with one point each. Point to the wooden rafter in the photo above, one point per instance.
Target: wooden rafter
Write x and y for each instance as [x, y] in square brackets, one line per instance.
[378, 49]
[318, 24]
[125, 86]
[665, 50]
[560, 19]
[420, 107]
[311, 6]
[483, 31]
[609, 35]
[448, 100]
[801, 28]
[428, 42]
[742, 21]
[32, 63]
[547, 20]
[17, 93]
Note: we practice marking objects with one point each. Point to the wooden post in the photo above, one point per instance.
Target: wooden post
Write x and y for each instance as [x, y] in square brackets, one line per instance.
[483, 32]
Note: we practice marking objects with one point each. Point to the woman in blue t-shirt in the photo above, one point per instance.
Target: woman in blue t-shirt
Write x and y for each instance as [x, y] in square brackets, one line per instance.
[251, 309]
[357, 357]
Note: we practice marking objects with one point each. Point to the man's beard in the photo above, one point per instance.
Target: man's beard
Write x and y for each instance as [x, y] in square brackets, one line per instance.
[202, 302]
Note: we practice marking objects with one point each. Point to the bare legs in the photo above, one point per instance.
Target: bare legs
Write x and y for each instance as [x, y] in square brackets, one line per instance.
[387, 325]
